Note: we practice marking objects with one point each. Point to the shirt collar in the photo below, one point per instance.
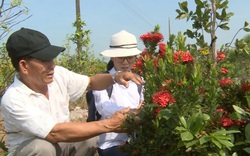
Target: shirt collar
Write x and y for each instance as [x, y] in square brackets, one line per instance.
[20, 86]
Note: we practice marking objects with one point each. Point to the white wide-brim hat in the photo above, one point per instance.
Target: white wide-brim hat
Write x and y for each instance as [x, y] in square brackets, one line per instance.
[122, 44]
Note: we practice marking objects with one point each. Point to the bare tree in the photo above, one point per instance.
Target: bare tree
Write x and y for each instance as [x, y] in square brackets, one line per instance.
[11, 14]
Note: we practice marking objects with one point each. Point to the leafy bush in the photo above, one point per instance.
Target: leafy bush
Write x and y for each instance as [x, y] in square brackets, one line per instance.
[189, 104]
[197, 101]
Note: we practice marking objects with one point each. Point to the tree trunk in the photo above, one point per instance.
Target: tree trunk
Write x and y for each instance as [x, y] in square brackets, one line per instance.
[78, 29]
[213, 36]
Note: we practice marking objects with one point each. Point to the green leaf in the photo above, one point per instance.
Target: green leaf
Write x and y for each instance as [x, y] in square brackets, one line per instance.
[217, 143]
[224, 26]
[191, 143]
[180, 128]
[240, 110]
[221, 137]
[187, 136]
[246, 24]
[165, 113]
[182, 16]
[189, 33]
[195, 124]
[183, 6]
[246, 29]
[234, 154]
[247, 150]
[205, 117]
[247, 132]
[204, 139]
[224, 132]
[183, 121]
[198, 2]
[226, 143]
[223, 13]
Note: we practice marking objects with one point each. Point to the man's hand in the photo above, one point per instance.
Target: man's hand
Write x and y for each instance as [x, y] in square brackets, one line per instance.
[117, 119]
[123, 78]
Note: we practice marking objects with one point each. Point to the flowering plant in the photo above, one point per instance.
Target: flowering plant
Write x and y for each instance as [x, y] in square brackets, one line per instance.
[191, 106]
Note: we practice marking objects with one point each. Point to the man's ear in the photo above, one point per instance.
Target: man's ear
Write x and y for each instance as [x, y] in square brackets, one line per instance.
[23, 66]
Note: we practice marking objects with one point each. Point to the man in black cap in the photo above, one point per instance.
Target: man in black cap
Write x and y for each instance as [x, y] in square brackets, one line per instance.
[35, 106]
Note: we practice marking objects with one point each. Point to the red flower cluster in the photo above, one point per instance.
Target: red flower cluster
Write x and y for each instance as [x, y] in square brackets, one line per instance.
[163, 98]
[185, 57]
[221, 56]
[162, 49]
[225, 82]
[139, 64]
[245, 86]
[227, 121]
[152, 37]
[224, 71]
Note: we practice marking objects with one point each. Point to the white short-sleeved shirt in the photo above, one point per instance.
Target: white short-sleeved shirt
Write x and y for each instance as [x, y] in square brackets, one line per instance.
[28, 114]
[121, 97]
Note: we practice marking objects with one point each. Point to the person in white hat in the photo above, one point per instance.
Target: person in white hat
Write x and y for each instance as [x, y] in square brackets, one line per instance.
[123, 51]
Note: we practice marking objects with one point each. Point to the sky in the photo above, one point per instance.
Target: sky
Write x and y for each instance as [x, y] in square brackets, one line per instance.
[104, 18]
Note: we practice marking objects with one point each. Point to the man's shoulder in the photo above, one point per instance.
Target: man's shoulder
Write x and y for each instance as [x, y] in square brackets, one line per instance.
[61, 72]
[14, 89]
[12, 93]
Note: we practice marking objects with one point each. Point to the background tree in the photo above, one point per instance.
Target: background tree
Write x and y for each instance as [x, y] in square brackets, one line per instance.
[209, 16]
[11, 14]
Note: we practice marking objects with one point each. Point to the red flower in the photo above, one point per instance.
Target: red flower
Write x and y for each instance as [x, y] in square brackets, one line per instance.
[139, 64]
[176, 57]
[221, 56]
[224, 71]
[166, 83]
[152, 37]
[164, 88]
[145, 54]
[185, 57]
[202, 91]
[156, 64]
[145, 37]
[169, 81]
[163, 98]
[157, 37]
[245, 86]
[157, 111]
[223, 111]
[226, 122]
[240, 122]
[226, 81]
[162, 49]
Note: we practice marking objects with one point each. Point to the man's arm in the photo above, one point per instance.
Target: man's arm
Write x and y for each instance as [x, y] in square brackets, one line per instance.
[78, 131]
[102, 81]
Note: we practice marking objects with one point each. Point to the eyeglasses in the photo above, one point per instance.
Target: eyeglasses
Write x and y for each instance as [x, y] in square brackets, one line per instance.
[130, 59]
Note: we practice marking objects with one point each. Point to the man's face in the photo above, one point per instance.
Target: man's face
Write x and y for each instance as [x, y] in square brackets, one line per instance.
[39, 72]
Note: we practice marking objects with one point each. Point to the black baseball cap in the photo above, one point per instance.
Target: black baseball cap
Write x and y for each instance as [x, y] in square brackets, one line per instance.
[28, 42]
